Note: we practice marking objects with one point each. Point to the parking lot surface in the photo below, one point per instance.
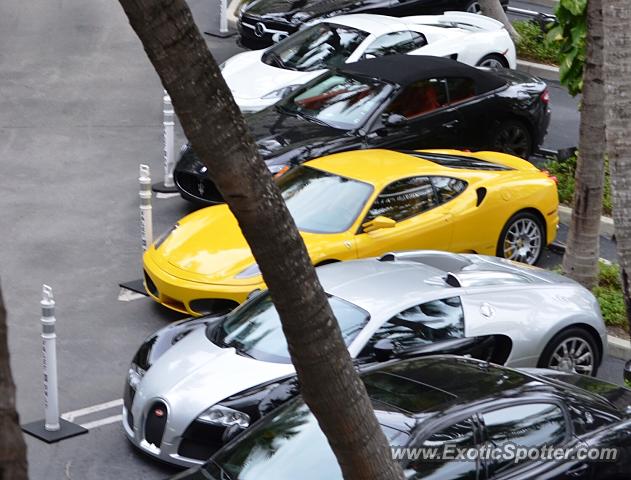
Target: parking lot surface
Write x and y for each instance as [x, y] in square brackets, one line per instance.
[80, 108]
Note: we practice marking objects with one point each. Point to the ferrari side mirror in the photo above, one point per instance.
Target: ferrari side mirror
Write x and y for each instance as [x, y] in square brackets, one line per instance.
[378, 223]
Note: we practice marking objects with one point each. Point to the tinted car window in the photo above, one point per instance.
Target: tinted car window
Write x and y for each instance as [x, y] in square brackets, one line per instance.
[528, 425]
[395, 42]
[419, 98]
[448, 188]
[322, 202]
[254, 329]
[404, 199]
[459, 435]
[460, 89]
[422, 324]
[339, 101]
[320, 46]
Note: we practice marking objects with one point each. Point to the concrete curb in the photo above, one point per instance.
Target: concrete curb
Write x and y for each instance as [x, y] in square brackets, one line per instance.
[619, 347]
[606, 223]
[547, 72]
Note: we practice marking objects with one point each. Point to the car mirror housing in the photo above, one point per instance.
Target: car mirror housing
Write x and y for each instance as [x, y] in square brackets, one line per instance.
[395, 120]
[378, 223]
[627, 374]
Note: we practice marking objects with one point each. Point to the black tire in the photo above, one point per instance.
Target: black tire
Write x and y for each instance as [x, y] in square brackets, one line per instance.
[493, 58]
[547, 361]
[514, 138]
[522, 221]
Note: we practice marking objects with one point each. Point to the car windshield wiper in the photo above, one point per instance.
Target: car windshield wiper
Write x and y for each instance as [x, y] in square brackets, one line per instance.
[275, 58]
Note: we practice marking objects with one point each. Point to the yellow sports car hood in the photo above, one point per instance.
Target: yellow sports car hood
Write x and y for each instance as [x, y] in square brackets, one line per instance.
[209, 243]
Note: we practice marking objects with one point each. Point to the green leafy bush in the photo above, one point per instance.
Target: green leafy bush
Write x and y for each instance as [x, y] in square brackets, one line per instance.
[609, 295]
[533, 44]
[564, 171]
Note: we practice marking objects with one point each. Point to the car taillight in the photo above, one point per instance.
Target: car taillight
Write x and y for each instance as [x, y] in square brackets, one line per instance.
[545, 96]
[550, 176]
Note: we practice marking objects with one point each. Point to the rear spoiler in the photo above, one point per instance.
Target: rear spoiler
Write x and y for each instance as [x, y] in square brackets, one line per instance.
[464, 20]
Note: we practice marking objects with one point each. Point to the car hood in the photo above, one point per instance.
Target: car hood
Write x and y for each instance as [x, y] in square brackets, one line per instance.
[196, 374]
[277, 133]
[208, 246]
[300, 10]
[242, 68]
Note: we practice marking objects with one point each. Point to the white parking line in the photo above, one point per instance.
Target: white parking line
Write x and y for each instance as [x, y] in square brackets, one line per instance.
[126, 295]
[103, 421]
[70, 416]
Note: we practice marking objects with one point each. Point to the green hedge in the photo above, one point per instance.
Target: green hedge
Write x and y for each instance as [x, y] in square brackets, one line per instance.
[609, 295]
[533, 44]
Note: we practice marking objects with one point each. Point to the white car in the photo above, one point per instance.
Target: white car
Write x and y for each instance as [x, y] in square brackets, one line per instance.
[260, 78]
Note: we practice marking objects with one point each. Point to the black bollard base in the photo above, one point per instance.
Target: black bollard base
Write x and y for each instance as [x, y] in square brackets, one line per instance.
[66, 430]
[162, 188]
[219, 33]
[135, 286]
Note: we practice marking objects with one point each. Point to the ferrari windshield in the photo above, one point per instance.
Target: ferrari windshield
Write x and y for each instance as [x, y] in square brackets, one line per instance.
[318, 47]
[254, 329]
[337, 100]
[322, 202]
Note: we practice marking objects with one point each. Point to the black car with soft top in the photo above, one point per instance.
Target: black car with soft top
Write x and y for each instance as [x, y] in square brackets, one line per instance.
[473, 421]
[395, 102]
[264, 22]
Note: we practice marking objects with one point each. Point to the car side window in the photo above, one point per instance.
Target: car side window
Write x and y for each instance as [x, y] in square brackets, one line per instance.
[404, 199]
[420, 98]
[422, 324]
[460, 435]
[528, 425]
[448, 188]
[460, 89]
[395, 42]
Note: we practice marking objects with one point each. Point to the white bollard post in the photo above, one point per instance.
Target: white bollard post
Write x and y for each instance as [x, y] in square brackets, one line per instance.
[146, 219]
[169, 141]
[223, 31]
[49, 352]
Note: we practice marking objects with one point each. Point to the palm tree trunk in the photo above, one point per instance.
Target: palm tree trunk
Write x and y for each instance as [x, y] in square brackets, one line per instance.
[215, 127]
[12, 447]
[494, 9]
[580, 261]
[617, 18]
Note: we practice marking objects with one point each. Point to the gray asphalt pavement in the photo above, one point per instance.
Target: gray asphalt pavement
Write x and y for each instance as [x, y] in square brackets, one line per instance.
[80, 108]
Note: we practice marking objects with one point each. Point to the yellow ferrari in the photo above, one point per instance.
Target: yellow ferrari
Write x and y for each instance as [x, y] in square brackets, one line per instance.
[361, 204]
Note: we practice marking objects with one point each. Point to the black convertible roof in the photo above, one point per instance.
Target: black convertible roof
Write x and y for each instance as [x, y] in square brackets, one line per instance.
[407, 69]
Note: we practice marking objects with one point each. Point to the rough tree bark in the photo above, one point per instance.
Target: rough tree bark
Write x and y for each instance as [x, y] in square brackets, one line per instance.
[617, 67]
[215, 127]
[13, 464]
[493, 9]
[580, 261]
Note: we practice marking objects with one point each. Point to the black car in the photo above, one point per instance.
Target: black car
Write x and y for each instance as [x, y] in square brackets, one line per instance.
[441, 403]
[264, 22]
[397, 102]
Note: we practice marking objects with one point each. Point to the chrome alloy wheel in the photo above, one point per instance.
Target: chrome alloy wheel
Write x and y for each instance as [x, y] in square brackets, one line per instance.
[492, 62]
[522, 241]
[573, 355]
[474, 7]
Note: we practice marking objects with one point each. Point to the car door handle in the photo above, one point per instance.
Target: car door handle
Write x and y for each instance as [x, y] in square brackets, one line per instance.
[578, 471]
[451, 124]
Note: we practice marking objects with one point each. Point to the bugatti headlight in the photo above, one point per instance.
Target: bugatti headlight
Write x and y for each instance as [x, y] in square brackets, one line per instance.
[280, 92]
[252, 271]
[225, 417]
[134, 376]
[160, 240]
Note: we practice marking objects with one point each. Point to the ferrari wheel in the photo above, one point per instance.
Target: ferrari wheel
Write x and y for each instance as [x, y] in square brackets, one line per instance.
[573, 350]
[493, 60]
[522, 239]
[473, 7]
[512, 137]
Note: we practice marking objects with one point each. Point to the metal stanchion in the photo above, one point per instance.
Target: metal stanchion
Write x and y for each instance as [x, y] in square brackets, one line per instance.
[168, 185]
[221, 30]
[53, 428]
[146, 218]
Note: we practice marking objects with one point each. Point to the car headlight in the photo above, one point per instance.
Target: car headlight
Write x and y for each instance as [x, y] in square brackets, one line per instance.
[160, 240]
[280, 92]
[134, 376]
[251, 271]
[225, 417]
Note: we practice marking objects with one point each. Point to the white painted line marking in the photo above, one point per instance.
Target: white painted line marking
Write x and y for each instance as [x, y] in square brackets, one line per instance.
[126, 295]
[70, 416]
[103, 421]
[167, 195]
